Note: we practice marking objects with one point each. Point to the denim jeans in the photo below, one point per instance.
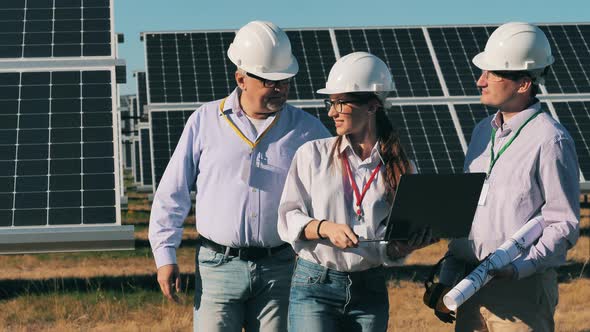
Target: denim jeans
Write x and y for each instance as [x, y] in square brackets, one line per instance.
[327, 300]
[231, 293]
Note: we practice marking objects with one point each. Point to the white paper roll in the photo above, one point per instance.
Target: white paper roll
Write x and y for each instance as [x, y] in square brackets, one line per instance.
[505, 254]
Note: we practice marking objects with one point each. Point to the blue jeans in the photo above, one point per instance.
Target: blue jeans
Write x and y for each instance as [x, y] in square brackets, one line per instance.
[327, 300]
[231, 293]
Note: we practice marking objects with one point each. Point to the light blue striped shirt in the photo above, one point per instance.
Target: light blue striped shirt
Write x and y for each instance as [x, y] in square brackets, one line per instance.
[237, 188]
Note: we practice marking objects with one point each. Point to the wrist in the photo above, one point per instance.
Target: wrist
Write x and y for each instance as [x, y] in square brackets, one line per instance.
[319, 232]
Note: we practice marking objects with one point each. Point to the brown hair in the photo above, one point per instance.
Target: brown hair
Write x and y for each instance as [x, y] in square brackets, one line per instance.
[390, 148]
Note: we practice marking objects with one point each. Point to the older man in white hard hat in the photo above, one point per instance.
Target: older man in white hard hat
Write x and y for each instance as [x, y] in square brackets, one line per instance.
[532, 170]
[236, 152]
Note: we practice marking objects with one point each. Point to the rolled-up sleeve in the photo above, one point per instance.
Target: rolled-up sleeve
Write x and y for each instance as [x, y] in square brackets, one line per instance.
[295, 204]
[559, 180]
[172, 201]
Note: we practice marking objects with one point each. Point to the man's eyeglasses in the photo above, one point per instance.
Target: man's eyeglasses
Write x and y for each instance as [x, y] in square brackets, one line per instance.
[271, 83]
[338, 104]
[498, 76]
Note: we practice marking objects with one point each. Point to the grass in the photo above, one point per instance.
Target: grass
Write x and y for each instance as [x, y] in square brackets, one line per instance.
[146, 311]
[117, 291]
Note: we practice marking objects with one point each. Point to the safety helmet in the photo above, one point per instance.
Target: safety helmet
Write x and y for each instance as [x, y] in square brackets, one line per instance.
[263, 49]
[359, 72]
[516, 46]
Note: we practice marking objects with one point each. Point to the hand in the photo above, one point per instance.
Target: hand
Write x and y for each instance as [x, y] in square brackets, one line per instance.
[169, 280]
[507, 272]
[445, 317]
[398, 249]
[340, 235]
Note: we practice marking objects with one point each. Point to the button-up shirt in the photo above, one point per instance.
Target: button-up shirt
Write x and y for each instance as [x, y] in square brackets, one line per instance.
[318, 188]
[237, 187]
[536, 175]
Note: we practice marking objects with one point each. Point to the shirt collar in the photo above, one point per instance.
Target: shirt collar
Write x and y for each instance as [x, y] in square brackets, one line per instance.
[347, 146]
[232, 102]
[517, 120]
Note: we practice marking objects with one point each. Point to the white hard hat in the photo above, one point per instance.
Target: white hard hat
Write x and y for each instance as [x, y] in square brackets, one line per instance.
[358, 72]
[515, 46]
[263, 49]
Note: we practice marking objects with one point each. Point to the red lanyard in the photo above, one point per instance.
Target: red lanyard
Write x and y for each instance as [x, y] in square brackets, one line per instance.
[359, 196]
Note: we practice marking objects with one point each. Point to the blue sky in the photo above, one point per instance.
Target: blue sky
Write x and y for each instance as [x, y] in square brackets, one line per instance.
[135, 16]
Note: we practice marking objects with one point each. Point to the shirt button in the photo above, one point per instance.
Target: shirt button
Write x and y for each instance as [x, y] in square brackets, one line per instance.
[253, 190]
[254, 215]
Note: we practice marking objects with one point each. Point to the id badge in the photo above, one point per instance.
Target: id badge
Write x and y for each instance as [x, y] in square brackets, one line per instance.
[484, 193]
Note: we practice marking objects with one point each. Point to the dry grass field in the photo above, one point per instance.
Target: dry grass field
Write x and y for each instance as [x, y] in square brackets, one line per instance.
[117, 291]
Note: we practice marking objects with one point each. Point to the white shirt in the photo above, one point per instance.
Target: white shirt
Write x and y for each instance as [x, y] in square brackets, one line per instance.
[536, 175]
[319, 189]
[238, 187]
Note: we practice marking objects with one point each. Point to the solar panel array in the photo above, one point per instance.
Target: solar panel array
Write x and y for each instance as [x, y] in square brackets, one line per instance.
[404, 51]
[436, 103]
[55, 28]
[58, 126]
[58, 136]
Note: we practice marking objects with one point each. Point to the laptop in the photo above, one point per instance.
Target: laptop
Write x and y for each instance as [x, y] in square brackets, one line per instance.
[444, 202]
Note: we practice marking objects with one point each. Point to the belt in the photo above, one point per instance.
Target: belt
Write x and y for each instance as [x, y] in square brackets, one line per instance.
[246, 253]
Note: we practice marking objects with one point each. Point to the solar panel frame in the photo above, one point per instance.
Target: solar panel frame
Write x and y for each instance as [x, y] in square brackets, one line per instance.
[61, 132]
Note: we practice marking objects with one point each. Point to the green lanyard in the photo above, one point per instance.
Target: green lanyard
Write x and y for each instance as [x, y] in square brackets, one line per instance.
[493, 139]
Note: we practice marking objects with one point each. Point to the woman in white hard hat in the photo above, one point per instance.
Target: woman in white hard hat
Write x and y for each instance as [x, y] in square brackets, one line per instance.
[337, 191]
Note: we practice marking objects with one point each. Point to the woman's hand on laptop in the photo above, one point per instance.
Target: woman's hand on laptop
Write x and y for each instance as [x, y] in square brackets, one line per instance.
[340, 235]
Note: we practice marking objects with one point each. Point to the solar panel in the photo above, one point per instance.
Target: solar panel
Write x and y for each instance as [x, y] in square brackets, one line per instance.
[166, 126]
[575, 117]
[404, 50]
[136, 161]
[315, 54]
[429, 136]
[322, 114]
[187, 67]
[55, 28]
[570, 46]
[145, 155]
[57, 160]
[141, 99]
[128, 155]
[471, 114]
[454, 48]
[134, 111]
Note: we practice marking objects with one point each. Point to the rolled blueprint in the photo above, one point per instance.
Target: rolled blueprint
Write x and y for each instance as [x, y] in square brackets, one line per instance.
[503, 256]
